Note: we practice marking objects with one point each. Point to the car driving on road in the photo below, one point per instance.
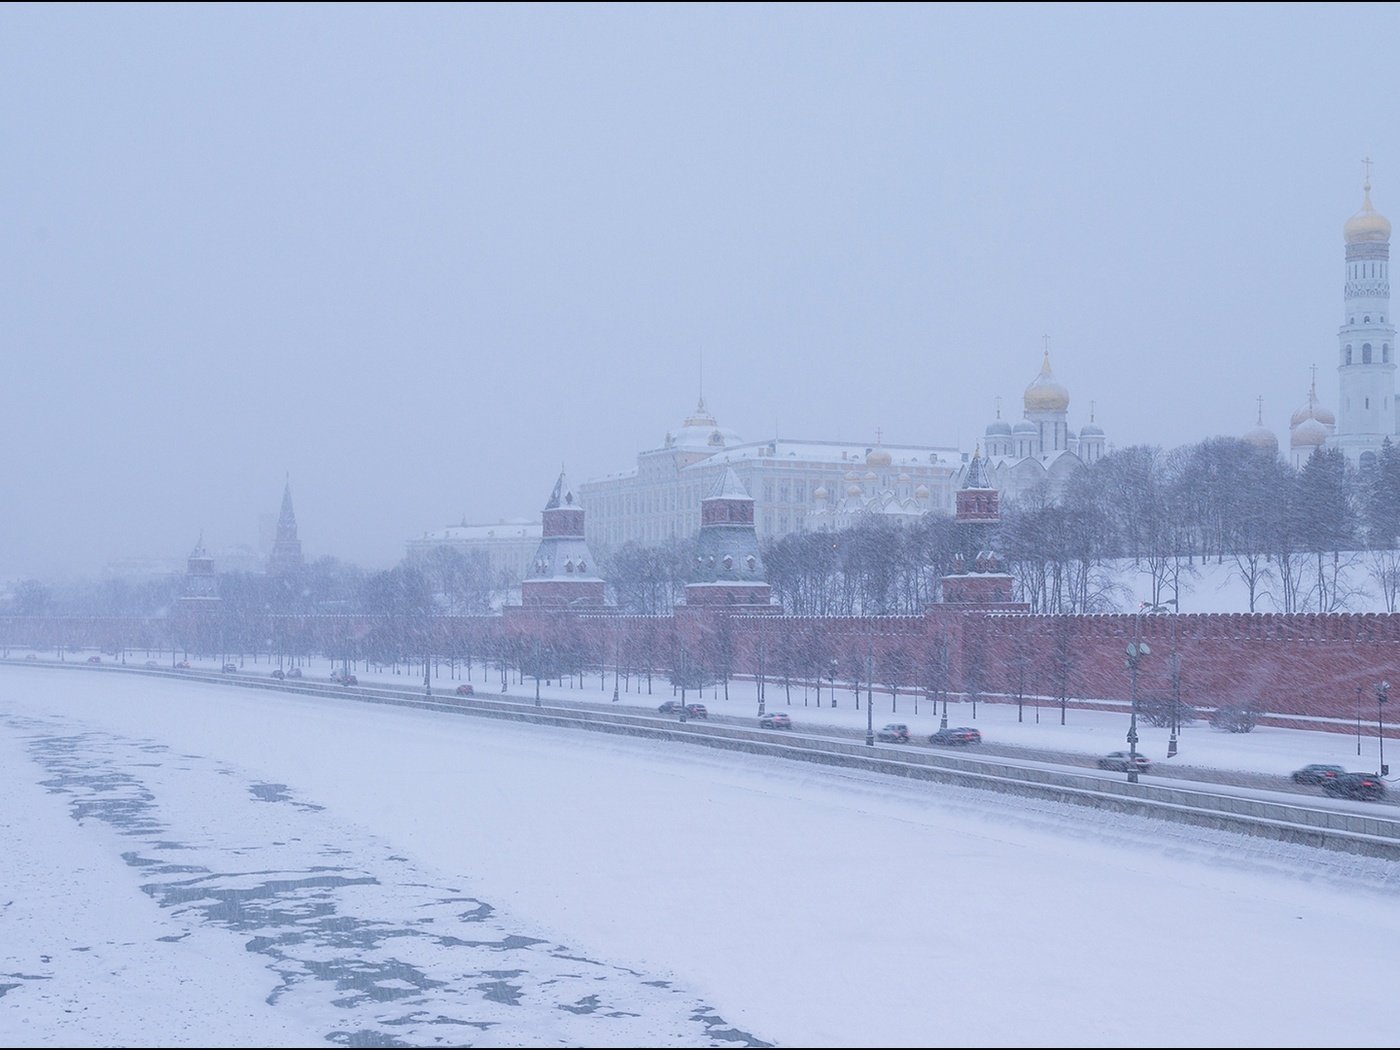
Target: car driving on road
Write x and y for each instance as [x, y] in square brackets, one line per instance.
[775, 720]
[1355, 785]
[961, 735]
[894, 733]
[1122, 761]
[1317, 773]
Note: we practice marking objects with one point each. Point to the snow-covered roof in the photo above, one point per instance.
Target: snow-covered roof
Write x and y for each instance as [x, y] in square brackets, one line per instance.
[830, 453]
[515, 529]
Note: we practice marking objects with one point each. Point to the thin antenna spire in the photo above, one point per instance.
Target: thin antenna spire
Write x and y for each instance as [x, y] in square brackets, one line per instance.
[998, 401]
[1259, 421]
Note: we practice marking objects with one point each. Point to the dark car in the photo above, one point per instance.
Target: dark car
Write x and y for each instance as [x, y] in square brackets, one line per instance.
[895, 733]
[1355, 785]
[1122, 761]
[775, 720]
[670, 707]
[465, 690]
[344, 678]
[696, 711]
[94, 659]
[957, 735]
[230, 668]
[279, 674]
[183, 665]
[295, 672]
[1317, 773]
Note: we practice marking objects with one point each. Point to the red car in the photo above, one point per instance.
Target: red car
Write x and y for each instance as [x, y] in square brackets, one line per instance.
[465, 690]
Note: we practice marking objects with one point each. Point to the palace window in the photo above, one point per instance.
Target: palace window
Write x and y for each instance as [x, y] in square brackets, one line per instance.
[1365, 353]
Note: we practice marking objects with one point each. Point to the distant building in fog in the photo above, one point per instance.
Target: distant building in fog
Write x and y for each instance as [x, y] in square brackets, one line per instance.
[796, 486]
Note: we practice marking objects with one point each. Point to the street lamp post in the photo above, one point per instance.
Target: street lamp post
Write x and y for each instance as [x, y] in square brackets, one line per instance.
[1358, 721]
[1176, 702]
[1382, 695]
[1136, 651]
[869, 708]
[616, 660]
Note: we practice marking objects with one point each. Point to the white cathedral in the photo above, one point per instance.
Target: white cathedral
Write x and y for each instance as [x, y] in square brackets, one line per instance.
[1041, 451]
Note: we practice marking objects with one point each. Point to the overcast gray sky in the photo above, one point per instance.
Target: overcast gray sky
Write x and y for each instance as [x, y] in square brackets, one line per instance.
[418, 257]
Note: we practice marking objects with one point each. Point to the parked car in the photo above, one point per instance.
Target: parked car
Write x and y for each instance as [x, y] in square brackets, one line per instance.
[696, 711]
[957, 735]
[1120, 761]
[895, 733]
[465, 690]
[1355, 785]
[1317, 773]
[279, 674]
[775, 720]
[230, 668]
[94, 659]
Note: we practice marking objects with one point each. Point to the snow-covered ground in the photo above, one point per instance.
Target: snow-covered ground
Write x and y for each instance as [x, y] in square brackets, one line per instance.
[191, 864]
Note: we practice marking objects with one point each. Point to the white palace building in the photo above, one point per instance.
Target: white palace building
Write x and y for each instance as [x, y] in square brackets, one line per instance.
[796, 485]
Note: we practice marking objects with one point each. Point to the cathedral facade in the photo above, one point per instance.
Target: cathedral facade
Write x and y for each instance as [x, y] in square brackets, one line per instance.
[1039, 453]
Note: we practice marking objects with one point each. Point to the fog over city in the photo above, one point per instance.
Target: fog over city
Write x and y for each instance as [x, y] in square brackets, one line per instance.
[414, 258]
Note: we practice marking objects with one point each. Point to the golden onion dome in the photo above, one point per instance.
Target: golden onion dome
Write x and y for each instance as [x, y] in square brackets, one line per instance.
[820, 493]
[1367, 225]
[877, 457]
[1308, 434]
[921, 492]
[1261, 437]
[1045, 394]
[1312, 409]
[853, 490]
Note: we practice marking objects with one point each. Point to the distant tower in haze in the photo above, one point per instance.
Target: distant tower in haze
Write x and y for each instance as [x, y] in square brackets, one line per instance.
[563, 572]
[729, 567]
[201, 585]
[1366, 413]
[286, 558]
[977, 577]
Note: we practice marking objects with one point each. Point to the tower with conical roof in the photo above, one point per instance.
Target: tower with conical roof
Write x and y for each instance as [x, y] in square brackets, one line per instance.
[1366, 366]
[977, 577]
[286, 557]
[728, 567]
[563, 572]
[200, 585]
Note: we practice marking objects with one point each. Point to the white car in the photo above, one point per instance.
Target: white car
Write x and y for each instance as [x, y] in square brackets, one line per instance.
[1122, 760]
